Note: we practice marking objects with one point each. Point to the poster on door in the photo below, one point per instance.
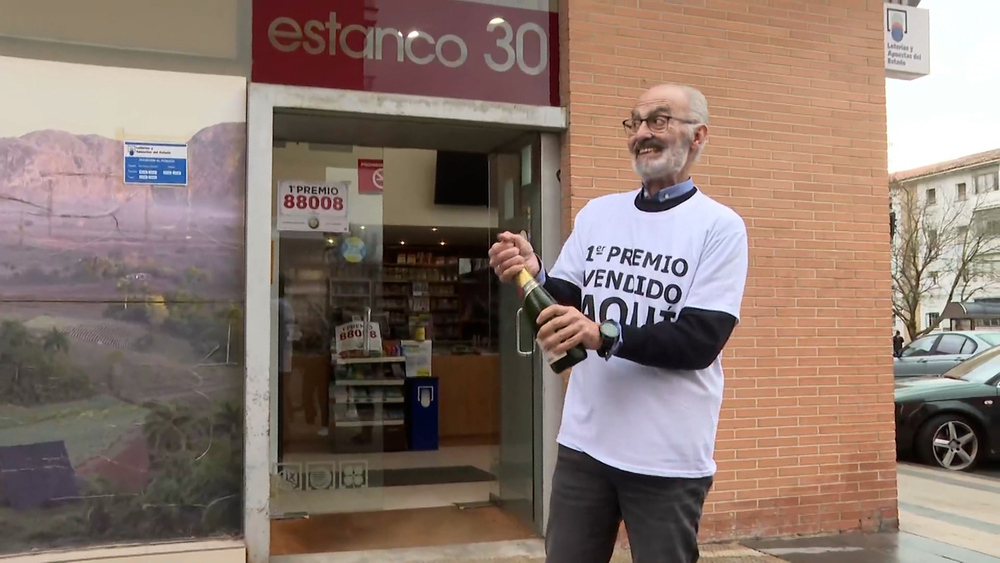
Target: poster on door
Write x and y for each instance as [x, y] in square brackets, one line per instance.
[312, 206]
[370, 174]
[350, 337]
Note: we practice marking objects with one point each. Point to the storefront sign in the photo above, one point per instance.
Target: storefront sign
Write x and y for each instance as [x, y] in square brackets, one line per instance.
[370, 174]
[159, 164]
[309, 206]
[907, 42]
[446, 48]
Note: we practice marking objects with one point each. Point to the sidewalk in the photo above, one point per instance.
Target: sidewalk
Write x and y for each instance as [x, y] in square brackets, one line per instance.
[943, 517]
[955, 508]
[902, 547]
[518, 551]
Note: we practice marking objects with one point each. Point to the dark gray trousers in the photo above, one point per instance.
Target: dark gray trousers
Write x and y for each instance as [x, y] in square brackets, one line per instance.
[590, 500]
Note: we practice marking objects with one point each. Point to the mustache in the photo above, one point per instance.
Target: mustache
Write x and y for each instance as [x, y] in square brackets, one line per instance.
[649, 144]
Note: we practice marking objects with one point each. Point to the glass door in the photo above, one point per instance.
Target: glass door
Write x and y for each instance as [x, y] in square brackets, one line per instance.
[515, 191]
[339, 384]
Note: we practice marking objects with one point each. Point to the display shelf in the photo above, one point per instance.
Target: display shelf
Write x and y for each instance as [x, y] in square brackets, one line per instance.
[354, 401]
[371, 423]
[370, 360]
[367, 404]
[368, 382]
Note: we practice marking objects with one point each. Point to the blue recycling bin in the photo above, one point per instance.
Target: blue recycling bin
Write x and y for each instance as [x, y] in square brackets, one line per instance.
[422, 412]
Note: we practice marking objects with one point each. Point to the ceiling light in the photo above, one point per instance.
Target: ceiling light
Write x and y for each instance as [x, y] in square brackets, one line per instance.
[402, 242]
[434, 229]
[362, 227]
[496, 21]
[442, 243]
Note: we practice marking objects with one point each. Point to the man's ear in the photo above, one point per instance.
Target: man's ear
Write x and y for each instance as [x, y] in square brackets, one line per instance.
[701, 135]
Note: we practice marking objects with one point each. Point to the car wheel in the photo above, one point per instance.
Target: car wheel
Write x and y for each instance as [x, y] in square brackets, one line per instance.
[949, 441]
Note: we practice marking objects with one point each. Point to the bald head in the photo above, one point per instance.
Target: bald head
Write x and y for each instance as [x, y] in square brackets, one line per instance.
[681, 101]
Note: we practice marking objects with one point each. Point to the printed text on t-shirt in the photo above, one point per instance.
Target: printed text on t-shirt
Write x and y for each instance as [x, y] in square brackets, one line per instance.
[647, 282]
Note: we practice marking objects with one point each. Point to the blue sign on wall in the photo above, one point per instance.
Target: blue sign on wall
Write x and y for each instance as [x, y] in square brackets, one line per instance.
[161, 164]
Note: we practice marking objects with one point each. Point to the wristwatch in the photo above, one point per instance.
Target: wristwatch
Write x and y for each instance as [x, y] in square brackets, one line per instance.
[611, 339]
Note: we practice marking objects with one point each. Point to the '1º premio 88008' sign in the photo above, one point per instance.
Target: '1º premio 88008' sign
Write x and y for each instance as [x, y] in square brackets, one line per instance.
[311, 206]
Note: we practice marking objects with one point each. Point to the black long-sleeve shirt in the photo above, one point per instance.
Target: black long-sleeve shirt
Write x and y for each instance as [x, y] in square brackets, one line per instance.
[693, 341]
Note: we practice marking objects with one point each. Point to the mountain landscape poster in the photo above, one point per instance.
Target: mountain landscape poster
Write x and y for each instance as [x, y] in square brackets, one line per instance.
[121, 307]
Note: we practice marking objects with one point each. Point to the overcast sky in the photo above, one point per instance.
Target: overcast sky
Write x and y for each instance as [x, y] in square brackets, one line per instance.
[953, 111]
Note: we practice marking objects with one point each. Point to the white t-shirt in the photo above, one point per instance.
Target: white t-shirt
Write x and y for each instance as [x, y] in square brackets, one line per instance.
[633, 264]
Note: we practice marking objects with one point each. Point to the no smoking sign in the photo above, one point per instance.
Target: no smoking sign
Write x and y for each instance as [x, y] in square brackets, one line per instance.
[371, 175]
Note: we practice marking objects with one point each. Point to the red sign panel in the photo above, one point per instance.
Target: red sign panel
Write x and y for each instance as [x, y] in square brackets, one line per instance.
[446, 48]
[370, 174]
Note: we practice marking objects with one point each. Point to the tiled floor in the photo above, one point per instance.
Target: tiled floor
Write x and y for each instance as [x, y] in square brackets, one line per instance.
[340, 520]
[394, 529]
[286, 502]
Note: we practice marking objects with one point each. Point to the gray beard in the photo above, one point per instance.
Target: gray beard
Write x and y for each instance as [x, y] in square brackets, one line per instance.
[667, 164]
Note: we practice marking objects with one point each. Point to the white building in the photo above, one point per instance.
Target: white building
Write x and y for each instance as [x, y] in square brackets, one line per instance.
[956, 202]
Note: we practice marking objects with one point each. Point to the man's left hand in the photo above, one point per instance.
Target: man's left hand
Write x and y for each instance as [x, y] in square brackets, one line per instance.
[564, 327]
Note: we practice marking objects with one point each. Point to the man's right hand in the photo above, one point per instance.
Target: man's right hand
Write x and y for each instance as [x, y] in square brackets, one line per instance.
[511, 254]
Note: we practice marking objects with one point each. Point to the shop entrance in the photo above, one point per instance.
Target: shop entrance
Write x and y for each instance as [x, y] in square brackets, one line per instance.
[406, 409]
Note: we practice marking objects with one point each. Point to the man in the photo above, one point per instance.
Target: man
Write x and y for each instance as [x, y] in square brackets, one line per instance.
[650, 282]
[897, 344]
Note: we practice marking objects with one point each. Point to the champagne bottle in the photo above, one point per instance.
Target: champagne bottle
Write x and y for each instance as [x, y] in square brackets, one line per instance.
[536, 299]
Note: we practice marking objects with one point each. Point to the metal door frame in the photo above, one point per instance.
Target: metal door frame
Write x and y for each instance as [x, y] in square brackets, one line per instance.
[515, 147]
[261, 353]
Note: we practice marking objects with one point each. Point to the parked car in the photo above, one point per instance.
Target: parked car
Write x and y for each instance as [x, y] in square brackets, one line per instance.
[952, 421]
[936, 353]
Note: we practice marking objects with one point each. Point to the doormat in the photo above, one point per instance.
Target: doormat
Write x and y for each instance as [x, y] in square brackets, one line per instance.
[412, 476]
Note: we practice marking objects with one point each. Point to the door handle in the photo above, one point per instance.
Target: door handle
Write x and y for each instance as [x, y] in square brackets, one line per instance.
[367, 329]
[517, 333]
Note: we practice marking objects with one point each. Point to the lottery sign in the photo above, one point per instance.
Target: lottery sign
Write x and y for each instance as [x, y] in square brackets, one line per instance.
[310, 206]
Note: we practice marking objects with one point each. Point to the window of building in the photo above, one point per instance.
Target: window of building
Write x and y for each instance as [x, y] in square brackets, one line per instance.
[931, 196]
[991, 227]
[986, 182]
[932, 318]
[961, 191]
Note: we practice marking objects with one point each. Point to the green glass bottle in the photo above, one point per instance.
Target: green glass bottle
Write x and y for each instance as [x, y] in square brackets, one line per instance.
[536, 299]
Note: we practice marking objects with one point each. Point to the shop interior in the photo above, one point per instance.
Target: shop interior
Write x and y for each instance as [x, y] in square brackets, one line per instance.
[398, 425]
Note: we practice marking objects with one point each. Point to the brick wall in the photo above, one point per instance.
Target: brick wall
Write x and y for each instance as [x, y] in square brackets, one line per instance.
[798, 146]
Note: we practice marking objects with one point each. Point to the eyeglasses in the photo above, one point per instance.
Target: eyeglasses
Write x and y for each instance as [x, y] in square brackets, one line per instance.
[657, 123]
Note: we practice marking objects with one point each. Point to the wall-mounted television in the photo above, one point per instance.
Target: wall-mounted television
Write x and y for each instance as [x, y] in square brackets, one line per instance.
[462, 178]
